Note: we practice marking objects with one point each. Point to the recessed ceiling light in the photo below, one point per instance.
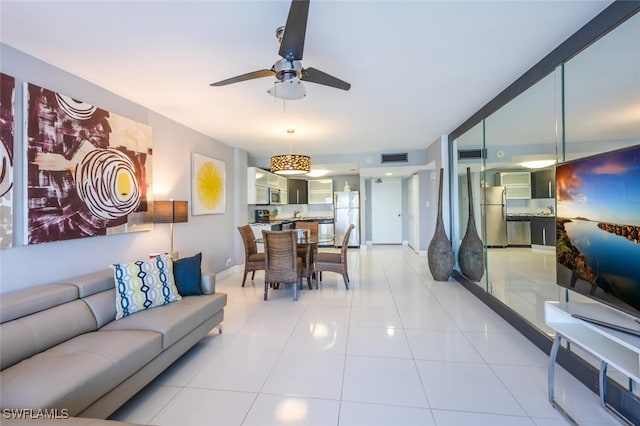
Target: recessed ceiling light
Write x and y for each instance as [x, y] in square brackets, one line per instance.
[317, 173]
[388, 174]
[537, 164]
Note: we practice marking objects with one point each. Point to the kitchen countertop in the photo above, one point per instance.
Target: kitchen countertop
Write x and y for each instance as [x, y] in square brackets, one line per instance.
[291, 219]
[514, 217]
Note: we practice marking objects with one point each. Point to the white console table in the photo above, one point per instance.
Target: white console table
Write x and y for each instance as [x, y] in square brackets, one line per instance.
[618, 349]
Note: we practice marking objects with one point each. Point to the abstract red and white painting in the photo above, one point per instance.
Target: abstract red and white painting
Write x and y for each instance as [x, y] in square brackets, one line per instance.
[89, 171]
[7, 124]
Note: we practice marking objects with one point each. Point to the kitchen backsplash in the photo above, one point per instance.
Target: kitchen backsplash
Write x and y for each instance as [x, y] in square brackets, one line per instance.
[286, 211]
[535, 205]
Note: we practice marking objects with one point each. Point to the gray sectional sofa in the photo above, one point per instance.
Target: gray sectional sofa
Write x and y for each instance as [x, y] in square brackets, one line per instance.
[61, 347]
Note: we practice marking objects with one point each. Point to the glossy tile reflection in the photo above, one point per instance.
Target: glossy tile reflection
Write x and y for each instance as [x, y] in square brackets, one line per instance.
[396, 349]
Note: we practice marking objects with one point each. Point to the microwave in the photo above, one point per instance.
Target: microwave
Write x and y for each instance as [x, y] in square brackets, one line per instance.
[275, 196]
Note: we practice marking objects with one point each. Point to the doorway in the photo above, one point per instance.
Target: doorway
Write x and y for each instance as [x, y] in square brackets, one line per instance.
[386, 211]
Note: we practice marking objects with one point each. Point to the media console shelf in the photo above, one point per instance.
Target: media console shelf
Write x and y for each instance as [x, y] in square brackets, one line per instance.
[612, 347]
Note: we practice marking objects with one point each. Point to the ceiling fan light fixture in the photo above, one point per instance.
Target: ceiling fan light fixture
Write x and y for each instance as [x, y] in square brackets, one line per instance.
[290, 164]
[290, 89]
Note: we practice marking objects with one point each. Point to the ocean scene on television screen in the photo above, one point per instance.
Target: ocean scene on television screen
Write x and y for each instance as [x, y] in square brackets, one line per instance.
[598, 222]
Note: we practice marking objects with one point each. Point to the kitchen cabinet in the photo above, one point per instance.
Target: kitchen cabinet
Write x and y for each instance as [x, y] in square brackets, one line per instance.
[544, 184]
[257, 188]
[543, 231]
[517, 185]
[320, 191]
[297, 191]
[260, 182]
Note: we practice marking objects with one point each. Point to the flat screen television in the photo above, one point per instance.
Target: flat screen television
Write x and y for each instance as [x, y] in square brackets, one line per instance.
[598, 231]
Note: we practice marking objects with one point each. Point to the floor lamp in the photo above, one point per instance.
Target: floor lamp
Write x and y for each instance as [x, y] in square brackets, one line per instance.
[171, 212]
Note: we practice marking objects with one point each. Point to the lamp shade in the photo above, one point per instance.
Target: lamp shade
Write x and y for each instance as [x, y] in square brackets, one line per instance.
[290, 164]
[170, 211]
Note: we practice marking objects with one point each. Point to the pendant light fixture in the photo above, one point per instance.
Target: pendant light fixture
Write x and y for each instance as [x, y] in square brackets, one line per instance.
[290, 164]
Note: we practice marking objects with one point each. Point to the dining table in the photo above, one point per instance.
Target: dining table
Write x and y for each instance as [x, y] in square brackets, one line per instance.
[310, 243]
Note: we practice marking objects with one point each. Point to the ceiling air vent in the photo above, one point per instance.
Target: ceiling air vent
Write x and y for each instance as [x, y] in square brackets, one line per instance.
[471, 154]
[394, 158]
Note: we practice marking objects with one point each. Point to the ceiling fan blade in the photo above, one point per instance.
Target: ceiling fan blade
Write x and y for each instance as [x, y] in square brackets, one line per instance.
[292, 44]
[244, 77]
[313, 75]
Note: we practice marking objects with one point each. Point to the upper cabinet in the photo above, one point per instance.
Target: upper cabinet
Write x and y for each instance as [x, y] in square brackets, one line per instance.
[544, 184]
[297, 191]
[259, 184]
[320, 191]
[517, 185]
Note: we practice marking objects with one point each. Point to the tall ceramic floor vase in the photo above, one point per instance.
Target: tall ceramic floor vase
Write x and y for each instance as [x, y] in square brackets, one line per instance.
[440, 253]
[471, 253]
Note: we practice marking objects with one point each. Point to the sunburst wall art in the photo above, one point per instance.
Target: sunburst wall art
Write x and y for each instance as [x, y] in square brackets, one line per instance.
[208, 185]
[88, 170]
[7, 120]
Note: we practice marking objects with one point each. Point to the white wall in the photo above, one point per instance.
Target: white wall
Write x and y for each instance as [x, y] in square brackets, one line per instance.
[214, 235]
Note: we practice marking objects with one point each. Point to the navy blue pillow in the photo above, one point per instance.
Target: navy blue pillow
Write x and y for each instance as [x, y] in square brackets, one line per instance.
[186, 273]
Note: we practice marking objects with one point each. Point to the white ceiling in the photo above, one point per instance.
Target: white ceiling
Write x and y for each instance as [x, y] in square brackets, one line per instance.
[418, 69]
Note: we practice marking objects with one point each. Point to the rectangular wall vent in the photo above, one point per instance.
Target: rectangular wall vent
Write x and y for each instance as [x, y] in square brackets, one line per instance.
[470, 154]
[394, 158]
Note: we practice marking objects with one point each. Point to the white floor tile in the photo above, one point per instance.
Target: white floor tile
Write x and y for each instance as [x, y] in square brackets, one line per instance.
[437, 345]
[510, 348]
[204, 407]
[459, 418]
[281, 410]
[375, 317]
[466, 386]
[383, 381]
[245, 369]
[381, 342]
[146, 404]
[321, 336]
[359, 414]
[308, 374]
[397, 348]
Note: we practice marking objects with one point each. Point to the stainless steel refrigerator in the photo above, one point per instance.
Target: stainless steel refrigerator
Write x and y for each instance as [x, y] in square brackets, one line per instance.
[494, 207]
[346, 212]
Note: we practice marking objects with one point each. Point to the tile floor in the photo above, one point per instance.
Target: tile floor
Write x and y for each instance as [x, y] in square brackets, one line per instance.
[396, 349]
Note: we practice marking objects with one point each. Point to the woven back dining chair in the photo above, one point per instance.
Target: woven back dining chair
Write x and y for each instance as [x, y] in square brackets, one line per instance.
[335, 262]
[282, 264]
[253, 261]
[303, 251]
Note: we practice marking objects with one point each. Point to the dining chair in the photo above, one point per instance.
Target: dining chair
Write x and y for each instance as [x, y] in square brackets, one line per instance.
[313, 232]
[335, 262]
[253, 261]
[307, 252]
[282, 264]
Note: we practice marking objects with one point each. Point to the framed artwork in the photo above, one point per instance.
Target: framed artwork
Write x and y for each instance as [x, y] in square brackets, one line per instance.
[207, 185]
[7, 123]
[88, 171]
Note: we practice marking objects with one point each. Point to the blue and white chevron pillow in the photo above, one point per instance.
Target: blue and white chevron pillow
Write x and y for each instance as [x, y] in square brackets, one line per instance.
[144, 285]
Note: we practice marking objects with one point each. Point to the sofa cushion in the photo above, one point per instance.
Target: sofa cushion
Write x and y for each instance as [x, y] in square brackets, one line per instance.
[187, 273]
[92, 283]
[26, 336]
[77, 371]
[144, 285]
[174, 321]
[103, 306]
[16, 304]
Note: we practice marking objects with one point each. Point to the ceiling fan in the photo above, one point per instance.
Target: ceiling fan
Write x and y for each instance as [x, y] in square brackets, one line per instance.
[288, 71]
